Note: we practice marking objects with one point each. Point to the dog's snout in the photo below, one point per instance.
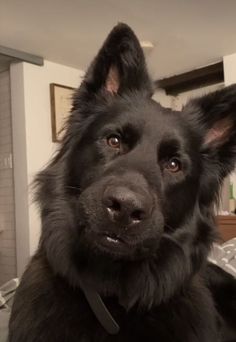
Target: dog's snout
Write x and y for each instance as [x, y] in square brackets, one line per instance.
[126, 206]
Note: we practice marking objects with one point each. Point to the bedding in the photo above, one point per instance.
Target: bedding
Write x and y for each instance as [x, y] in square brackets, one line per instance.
[225, 256]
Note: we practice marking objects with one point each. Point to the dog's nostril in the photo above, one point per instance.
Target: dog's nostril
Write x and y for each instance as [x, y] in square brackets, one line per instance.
[114, 205]
[137, 215]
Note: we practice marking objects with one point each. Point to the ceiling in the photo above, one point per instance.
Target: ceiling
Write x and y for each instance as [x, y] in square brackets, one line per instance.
[187, 34]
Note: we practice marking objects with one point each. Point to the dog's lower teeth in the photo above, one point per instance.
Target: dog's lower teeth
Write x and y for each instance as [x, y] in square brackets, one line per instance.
[109, 239]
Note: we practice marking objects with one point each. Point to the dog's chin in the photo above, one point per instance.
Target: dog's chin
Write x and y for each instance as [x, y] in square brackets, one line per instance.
[115, 246]
[118, 246]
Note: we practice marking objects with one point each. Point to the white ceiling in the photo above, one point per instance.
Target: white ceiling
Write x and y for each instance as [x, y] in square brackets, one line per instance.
[187, 34]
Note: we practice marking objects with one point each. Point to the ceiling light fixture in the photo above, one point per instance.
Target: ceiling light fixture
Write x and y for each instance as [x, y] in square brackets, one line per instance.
[147, 45]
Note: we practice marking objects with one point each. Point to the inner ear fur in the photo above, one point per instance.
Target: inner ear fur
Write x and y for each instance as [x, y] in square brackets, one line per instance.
[219, 133]
[112, 83]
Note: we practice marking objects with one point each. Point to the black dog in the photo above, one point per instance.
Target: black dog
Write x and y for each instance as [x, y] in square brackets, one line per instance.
[127, 212]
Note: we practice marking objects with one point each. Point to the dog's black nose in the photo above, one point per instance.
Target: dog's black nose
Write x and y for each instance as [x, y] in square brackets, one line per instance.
[126, 206]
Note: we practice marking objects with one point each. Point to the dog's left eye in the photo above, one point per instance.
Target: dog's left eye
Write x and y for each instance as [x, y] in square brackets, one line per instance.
[114, 141]
[173, 165]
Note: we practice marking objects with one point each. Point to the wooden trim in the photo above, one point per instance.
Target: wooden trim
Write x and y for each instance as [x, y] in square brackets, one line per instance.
[194, 79]
[62, 86]
[53, 113]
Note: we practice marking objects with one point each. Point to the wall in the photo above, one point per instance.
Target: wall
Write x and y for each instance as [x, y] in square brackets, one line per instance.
[161, 97]
[181, 99]
[230, 69]
[177, 102]
[32, 142]
[7, 224]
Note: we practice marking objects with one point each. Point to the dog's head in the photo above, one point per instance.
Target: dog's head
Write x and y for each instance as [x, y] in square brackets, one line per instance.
[133, 182]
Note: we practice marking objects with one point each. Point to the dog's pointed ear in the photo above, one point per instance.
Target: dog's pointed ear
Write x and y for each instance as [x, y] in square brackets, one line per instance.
[215, 116]
[119, 66]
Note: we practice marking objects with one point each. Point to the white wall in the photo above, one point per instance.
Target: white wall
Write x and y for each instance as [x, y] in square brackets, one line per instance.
[230, 69]
[177, 102]
[32, 142]
[181, 99]
[161, 97]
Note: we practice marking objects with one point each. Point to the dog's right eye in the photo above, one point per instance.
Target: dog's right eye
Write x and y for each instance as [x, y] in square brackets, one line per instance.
[114, 141]
[173, 165]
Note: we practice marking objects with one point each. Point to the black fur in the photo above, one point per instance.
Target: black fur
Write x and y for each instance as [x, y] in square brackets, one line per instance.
[134, 222]
[223, 289]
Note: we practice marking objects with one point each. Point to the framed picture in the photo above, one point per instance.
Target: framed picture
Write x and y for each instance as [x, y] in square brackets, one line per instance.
[61, 101]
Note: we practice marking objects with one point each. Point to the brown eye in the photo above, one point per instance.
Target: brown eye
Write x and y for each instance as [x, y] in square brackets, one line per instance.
[114, 141]
[173, 165]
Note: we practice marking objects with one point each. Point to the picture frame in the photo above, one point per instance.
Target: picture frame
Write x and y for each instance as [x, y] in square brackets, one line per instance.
[61, 102]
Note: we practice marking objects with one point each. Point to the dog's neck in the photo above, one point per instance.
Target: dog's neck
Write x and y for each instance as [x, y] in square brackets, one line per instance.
[144, 283]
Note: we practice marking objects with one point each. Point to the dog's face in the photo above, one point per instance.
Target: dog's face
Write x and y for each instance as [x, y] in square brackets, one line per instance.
[140, 177]
[133, 181]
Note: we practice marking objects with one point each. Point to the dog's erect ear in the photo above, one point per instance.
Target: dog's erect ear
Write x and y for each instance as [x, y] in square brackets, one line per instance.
[215, 116]
[119, 66]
